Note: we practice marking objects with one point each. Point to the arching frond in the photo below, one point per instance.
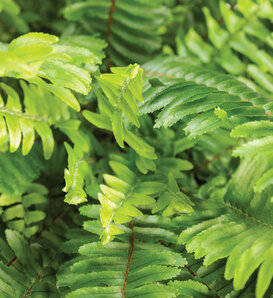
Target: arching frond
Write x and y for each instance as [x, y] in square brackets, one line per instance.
[193, 94]
[243, 233]
[130, 28]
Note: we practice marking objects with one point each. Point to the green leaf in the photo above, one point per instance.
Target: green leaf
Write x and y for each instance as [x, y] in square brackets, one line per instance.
[65, 95]
[265, 181]
[45, 133]
[255, 147]
[77, 175]
[32, 39]
[117, 126]
[100, 121]
[255, 129]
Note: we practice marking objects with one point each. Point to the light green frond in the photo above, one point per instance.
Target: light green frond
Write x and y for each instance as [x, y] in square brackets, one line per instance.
[123, 88]
[18, 123]
[120, 198]
[243, 233]
[35, 58]
[77, 174]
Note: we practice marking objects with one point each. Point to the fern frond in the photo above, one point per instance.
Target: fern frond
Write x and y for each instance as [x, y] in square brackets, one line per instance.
[17, 172]
[123, 89]
[243, 233]
[119, 198]
[19, 212]
[243, 32]
[19, 124]
[25, 270]
[35, 58]
[76, 175]
[129, 267]
[130, 28]
[197, 94]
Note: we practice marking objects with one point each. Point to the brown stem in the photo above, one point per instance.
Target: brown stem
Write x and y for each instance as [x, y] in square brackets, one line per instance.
[109, 32]
[57, 216]
[46, 227]
[195, 275]
[216, 157]
[12, 261]
[39, 277]
[129, 259]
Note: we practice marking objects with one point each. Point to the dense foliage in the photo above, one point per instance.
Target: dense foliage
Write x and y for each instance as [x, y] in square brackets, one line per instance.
[136, 148]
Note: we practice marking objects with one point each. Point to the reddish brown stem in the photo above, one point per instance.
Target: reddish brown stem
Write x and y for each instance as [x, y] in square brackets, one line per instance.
[46, 227]
[217, 156]
[38, 235]
[109, 32]
[192, 273]
[129, 259]
[12, 261]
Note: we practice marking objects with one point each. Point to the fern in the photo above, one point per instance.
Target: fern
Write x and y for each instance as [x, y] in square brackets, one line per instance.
[118, 199]
[32, 57]
[136, 148]
[16, 122]
[78, 171]
[17, 172]
[34, 64]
